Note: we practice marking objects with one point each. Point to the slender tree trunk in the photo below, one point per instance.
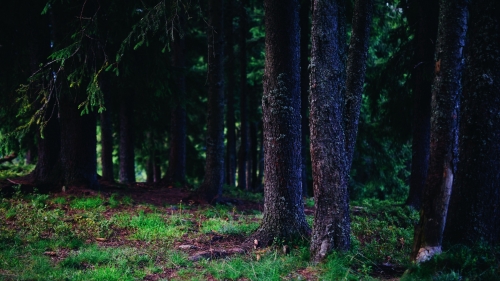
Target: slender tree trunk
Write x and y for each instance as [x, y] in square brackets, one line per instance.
[253, 157]
[474, 213]
[230, 117]
[106, 133]
[305, 29]
[211, 188]
[422, 77]
[334, 117]
[444, 108]
[156, 168]
[127, 155]
[243, 169]
[284, 217]
[177, 160]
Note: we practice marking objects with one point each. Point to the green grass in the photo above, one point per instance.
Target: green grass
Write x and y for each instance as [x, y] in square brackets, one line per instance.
[479, 262]
[34, 224]
[153, 226]
[87, 203]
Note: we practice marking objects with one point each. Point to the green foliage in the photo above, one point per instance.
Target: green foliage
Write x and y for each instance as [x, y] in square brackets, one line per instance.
[154, 226]
[382, 157]
[479, 262]
[87, 203]
[8, 170]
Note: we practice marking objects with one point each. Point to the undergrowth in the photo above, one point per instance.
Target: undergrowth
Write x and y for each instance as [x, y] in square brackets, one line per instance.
[50, 237]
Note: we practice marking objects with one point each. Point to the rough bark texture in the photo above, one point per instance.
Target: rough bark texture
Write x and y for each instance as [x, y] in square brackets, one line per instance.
[243, 155]
[78, 142]
[444, 115]
[211, 188]
[474, 213]
[334, 117]
[230, 117]
[356, 69]
[177, 160]
[106, 133]
[305, 29]
[331, 228]
[48, 169]
[126, 154]
[426, 23]
[284, 217]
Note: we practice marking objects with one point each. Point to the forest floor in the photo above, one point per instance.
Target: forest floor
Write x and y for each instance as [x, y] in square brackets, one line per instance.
[148, 232]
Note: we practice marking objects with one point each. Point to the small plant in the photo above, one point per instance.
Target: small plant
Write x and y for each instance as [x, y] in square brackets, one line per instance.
[87, 203]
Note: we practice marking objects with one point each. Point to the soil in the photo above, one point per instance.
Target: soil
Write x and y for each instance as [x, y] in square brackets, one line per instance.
[209, 245]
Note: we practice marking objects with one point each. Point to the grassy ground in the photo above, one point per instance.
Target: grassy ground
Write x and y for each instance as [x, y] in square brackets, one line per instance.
[149, 234]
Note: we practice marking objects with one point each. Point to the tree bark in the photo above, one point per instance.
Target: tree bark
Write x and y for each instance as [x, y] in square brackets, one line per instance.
[243, 157]
[334, 117]
[444, 113]
[474, 212]
[48, 168]
[106, 133]
[126, 154]
[331, 228]
[211, 188]
[177, 160]
[78, 141]
[305, 29]
[422, 77]
[230, 117]
[284, 217]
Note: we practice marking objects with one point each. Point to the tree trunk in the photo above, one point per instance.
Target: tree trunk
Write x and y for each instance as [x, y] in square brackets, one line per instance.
[334, 118]
[444, 108]
[474, 213]
[48, 168]
[177, 160]
[329, 162]
[254, 154]
[423, 73]
[106, 133]
[243, 157]
[284, 217]
[78, 141]
[211, 188]
[305, 29]
[356, 69]
[127, 158]
[156, 168]
[230, 117]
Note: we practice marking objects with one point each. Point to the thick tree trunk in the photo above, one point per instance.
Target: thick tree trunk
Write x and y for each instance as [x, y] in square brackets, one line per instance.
[329, 159]
[78, 142]
[334, 118]
[48, 168]
[230, 117]
[422, 77]
[106, 133]
[474, 213]
[305, 29]
[444, 108]
[211, 188]
[243, 155]
[127, 155]
[284, 217]
[177, 160]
